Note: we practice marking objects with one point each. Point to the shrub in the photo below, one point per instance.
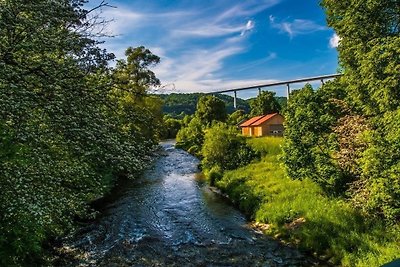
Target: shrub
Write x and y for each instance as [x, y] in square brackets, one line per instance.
[225, 148]
[191, 137]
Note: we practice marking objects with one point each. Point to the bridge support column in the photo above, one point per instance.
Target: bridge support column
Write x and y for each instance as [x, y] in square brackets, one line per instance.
[288, 90]
[322, 81]
[235, 99]
[259, 90]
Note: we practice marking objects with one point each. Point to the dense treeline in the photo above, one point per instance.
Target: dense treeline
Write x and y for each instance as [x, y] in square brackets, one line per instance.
[179, 105]
[213, 135]
[346, 135]
[180, 109]
[69, 124]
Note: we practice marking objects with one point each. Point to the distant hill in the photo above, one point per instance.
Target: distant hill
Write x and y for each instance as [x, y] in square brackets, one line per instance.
[175, 104]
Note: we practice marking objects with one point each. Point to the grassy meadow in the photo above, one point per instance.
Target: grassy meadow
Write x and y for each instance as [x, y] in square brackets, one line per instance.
[300, 213]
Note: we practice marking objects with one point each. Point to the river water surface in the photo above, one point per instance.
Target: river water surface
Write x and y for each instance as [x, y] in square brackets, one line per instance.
[170, 218]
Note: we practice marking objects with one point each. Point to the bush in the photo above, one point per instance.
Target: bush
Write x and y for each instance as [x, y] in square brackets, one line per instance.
[214, 175]
[191, 137]
[225, 148]
[300, 212]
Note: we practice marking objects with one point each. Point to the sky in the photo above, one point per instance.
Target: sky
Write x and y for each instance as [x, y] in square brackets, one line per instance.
[210, 45]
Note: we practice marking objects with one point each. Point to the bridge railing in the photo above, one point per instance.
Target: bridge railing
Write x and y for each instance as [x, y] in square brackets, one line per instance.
[287, 83]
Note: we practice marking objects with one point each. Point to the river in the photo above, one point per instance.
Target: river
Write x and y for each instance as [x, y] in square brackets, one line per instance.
[168, 217]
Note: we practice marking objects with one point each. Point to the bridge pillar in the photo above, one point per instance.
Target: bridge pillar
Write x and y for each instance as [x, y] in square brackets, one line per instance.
[288, 90]
[259, 90]
[235, 99]
[322, 81]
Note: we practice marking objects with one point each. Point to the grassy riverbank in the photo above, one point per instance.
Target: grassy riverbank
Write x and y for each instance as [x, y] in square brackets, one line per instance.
[300, 213]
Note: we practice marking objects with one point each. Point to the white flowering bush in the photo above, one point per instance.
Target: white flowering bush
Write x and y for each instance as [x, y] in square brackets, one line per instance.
[69, 124]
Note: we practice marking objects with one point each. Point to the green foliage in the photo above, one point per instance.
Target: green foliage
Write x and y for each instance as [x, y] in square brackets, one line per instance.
[191, 137]
[209, 109]
[176, 104]
[236, 117]
[214, 174]
[268, 145]
[263, 104]
[368, 51]
[301, 213]
[345, 135]
[310, 144]
[378, 191]
[171, 127]
[69, 125]
[224, 148]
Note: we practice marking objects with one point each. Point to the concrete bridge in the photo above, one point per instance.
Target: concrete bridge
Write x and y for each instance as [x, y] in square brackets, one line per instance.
[322, 78]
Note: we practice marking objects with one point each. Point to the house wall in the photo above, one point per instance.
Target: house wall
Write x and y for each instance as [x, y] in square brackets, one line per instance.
[257, 131]
[273, 127]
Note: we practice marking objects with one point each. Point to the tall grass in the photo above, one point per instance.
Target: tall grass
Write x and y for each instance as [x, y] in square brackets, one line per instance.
[300, 212]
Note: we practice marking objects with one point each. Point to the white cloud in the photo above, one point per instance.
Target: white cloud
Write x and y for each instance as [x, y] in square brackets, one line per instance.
[247, 8]
[187, 62]
[334, 41]
[194, 69]
[211, 30]
[296, 27]
[249, 26]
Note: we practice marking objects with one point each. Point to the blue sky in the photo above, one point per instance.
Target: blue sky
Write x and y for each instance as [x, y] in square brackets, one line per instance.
[206, 45]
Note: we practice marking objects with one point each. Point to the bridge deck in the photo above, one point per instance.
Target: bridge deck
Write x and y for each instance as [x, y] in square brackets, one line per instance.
[287, 83]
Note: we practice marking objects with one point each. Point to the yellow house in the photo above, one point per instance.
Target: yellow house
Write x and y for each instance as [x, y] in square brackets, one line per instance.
[266, 125]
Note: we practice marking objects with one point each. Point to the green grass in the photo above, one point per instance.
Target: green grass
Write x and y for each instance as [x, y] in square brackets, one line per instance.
[331, 227]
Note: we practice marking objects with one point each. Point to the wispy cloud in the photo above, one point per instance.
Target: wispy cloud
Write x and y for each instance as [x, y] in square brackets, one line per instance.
[334, 41]
[250, 65]
[296, 26]
[196, 69]
[193, 41]
[214, 30]
[247, 8]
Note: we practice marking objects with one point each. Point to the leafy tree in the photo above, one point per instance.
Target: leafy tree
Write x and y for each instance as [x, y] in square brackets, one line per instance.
[65, 130]
[171, 127]
[369, 45]
[175, 104]
[225, 149]
[191, 138]
[368, 52]
[310, 145]
[263, 104]
[209, 109]
[131, 81]
[377, 192]
[236, 117]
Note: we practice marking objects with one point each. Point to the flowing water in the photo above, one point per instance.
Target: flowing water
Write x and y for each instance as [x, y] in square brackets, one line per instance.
[170, 218]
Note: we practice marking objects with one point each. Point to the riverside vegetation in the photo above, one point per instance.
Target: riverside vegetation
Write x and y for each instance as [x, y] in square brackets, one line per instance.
[332, 185]
[70, 125]
[298, 211]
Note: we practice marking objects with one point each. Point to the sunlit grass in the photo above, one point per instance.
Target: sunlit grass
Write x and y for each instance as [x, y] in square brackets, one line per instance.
[330, 227]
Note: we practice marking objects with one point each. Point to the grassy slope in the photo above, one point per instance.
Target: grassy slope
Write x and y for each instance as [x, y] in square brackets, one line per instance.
[330, 227]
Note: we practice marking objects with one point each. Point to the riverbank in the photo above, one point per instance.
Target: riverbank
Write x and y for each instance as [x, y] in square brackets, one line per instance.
[298, 212]
[170, 217]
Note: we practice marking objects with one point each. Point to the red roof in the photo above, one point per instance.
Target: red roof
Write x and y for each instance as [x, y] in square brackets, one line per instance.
[249, 122]
[256, 121]
[264, 119]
